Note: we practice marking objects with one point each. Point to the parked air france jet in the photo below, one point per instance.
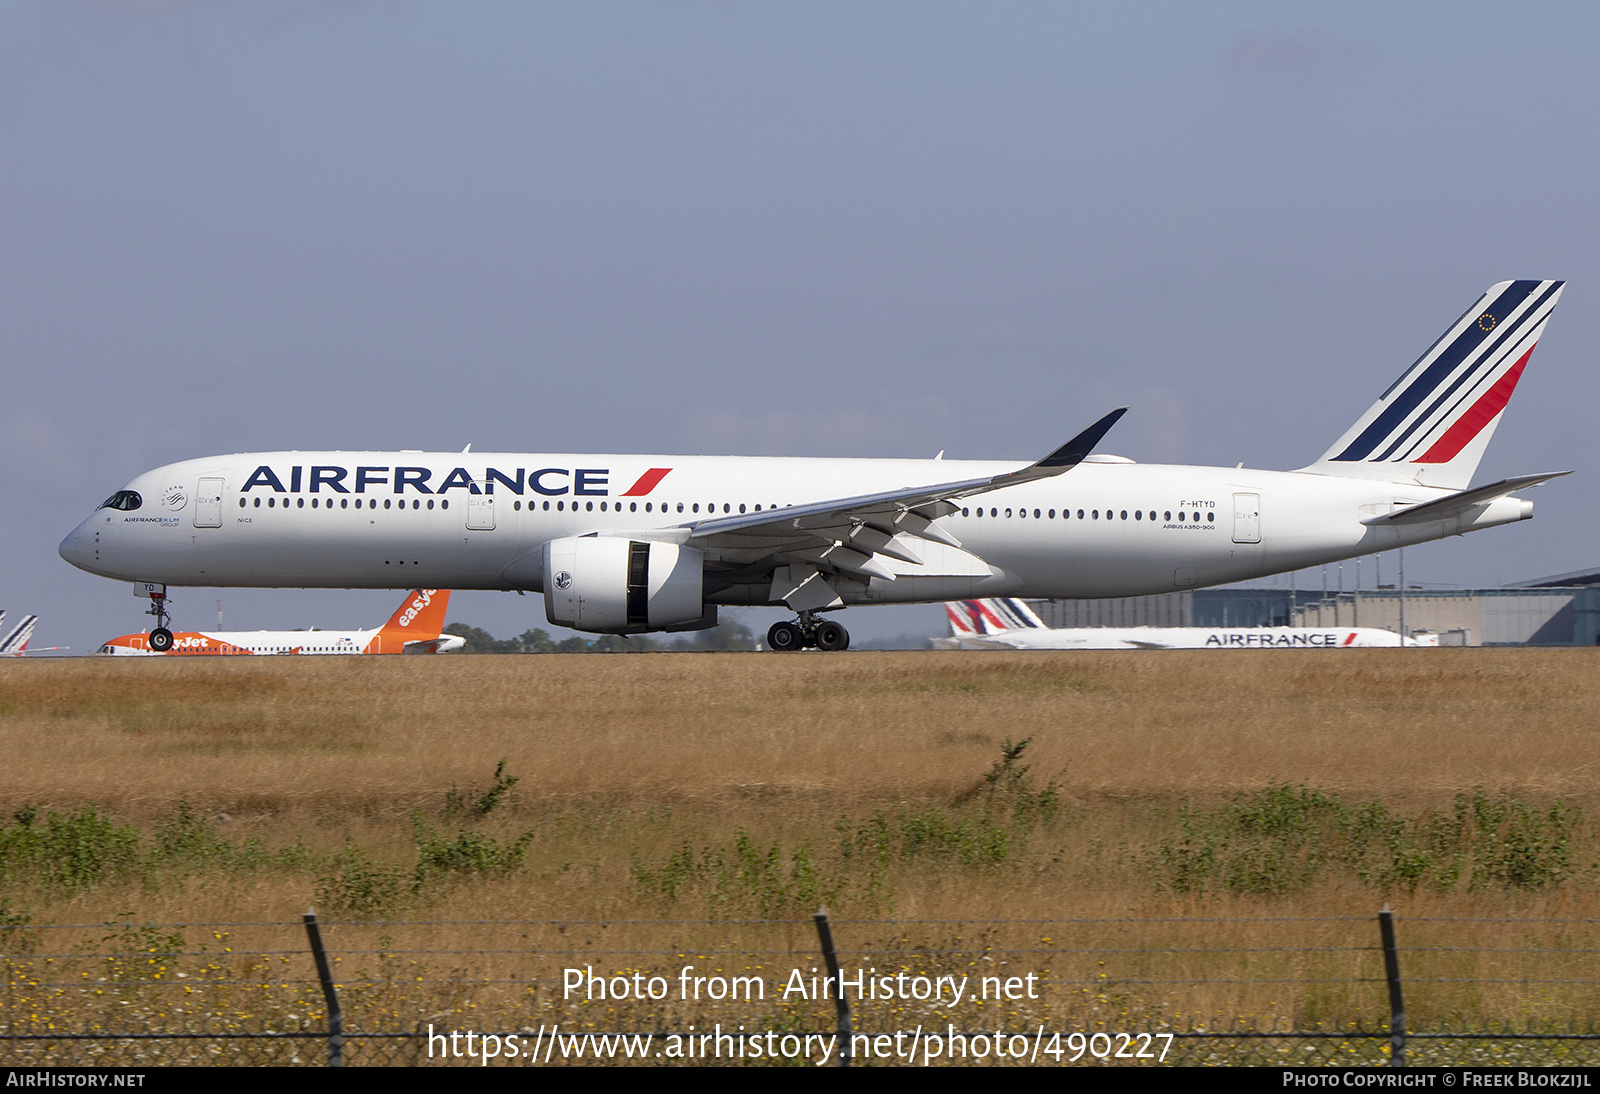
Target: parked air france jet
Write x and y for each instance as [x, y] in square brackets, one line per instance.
[1009, 624]
[622, 544]
[15, 644]
[413, 628]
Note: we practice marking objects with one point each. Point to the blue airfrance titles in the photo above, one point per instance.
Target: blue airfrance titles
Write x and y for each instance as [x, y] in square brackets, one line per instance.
[551, 482]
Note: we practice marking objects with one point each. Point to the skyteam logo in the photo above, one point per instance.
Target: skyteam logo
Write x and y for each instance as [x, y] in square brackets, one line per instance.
[564, 581]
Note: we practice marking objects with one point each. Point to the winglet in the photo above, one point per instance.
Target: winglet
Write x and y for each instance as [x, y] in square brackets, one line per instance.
[1066, 457]
[1076, 450]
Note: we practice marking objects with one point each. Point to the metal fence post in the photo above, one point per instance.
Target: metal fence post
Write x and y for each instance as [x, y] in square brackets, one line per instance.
[825, 936]
[335, 1015]
[1397, 1004]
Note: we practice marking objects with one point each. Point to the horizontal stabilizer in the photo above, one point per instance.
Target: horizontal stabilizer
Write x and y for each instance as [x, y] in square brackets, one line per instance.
[1455, 504]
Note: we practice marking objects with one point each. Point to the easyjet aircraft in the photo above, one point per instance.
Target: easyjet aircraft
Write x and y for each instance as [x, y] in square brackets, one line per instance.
[414, 628]
[622, 544]
[1006, 623]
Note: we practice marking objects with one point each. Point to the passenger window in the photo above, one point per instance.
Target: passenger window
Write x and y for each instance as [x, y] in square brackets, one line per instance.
[1036, 514]
[741, 507]
[1080, 514]
[386, 503]
[680, 507]
[258, 503]
[546, 507]
[1095, 514]
[1168, 515]
[560, 505]
[633, 507]
[444, 505]
[1124, 514]
[1052, 514]
[966, 513]
[1008, 513]
[516, 506]
[1211, 518]
[602, 506]
[344, 503]
[993, 512]
[241, 504]
[696, 507]
[589, 506]
[726, 508]
[1138, 514]
[430, 504]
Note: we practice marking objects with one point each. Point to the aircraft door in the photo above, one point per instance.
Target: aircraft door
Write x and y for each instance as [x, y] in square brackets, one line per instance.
[480, 512]
[208, 504]
[1247, 518]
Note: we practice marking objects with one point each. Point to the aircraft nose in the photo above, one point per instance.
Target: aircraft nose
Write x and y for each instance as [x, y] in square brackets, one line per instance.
[75, 548]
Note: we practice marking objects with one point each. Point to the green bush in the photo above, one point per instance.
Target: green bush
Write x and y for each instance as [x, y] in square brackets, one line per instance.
[1284, 839]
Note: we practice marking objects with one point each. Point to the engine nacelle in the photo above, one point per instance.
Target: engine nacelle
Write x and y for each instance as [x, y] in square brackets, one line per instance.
[611, 585]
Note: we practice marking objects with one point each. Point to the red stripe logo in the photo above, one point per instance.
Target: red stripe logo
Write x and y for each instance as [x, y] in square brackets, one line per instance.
[1481, 413]
[647, 482]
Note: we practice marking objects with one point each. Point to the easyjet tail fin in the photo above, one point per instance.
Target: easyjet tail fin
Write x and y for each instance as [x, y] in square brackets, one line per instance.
[420, 618]
[1433, 424]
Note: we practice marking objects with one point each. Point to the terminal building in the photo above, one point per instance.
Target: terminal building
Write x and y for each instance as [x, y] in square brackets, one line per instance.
[1563, 610]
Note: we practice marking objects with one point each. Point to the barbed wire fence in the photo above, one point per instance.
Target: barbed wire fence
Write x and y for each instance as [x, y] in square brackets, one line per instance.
[1186, 990]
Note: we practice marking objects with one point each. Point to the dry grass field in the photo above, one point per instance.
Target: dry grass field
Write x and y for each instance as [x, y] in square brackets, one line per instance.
[721, 787]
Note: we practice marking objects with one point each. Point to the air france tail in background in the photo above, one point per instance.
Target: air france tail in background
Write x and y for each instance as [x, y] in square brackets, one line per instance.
[15, 644]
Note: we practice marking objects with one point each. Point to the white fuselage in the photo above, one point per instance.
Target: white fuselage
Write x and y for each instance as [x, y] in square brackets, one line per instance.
[1183, 638]
[244, 642]
[479, 520]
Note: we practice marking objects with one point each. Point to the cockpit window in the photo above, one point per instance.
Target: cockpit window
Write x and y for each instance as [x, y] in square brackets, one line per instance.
[127, 500]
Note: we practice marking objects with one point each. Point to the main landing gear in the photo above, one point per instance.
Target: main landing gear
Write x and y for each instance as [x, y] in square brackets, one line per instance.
[808, 630]
[161, 637]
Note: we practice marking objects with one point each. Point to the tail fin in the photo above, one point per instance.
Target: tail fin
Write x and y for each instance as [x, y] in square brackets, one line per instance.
[963, 618]
[1431, 427]
[420, 618]
[13, 644]
[973, 618]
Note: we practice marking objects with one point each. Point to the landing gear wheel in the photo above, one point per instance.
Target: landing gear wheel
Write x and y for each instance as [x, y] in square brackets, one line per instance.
[830, 636]
[784, 637]
[161, 640]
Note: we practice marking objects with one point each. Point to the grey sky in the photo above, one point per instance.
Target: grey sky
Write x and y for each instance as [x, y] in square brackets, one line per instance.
[875, 230]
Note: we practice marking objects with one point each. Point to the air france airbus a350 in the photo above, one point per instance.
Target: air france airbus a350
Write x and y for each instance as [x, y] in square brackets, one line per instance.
[623, 544]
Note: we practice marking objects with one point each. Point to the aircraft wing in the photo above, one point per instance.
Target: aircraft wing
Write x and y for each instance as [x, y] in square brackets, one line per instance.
[854, 536]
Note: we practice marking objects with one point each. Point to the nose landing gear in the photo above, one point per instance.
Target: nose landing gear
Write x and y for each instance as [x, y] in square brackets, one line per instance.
[808, 630]
[161, 637]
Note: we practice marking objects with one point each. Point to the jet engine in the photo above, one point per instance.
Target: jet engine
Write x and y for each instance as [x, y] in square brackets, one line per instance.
[612, 585]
